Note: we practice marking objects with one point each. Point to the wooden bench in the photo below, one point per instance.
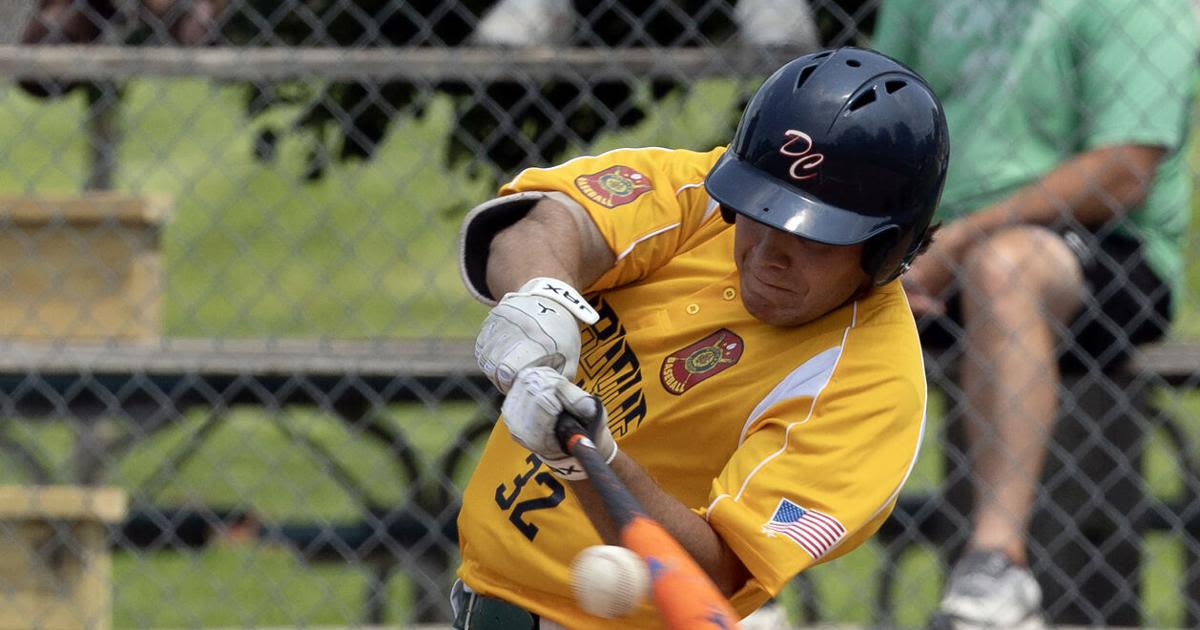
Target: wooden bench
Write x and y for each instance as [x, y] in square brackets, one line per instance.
[54, 558]
[82, 266]
[154, 383]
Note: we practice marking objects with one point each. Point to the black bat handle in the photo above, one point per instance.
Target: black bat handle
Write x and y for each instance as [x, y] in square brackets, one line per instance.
[566, 427]
[618, 502]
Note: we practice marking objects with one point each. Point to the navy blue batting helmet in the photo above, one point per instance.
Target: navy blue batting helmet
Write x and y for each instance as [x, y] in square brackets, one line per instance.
[844, 146]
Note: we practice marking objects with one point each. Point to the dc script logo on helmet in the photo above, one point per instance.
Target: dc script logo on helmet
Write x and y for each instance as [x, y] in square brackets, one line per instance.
[799, 145]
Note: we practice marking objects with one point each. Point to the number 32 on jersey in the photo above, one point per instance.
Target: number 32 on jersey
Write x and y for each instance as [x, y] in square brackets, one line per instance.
[506, 497]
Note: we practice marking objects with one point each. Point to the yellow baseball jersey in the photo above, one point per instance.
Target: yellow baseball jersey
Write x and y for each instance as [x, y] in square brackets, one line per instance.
[793, 442]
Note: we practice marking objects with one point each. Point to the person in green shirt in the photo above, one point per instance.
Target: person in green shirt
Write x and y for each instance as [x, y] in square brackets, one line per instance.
[1063, 218]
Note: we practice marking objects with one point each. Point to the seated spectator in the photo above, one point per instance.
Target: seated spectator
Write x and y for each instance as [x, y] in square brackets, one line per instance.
[85, 21]
[56, 22]
[1064, 214]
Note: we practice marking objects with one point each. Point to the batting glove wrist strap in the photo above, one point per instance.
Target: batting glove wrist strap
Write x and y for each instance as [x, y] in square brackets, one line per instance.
[570, 469]
[564, 294]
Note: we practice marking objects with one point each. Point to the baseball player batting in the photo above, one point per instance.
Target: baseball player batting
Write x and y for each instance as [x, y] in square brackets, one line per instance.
[736, 314]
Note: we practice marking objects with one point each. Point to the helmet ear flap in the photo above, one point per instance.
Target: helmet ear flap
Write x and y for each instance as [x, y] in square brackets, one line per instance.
[876, 254]
[727, 214]
[884, 258]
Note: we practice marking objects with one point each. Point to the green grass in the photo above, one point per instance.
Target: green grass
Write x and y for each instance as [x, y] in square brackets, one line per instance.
[233, 588]
[247, 462]
[254, 250]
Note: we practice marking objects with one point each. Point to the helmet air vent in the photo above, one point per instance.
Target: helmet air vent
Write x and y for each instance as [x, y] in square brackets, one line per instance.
[805, 73]
[862, 100]
[837, 152]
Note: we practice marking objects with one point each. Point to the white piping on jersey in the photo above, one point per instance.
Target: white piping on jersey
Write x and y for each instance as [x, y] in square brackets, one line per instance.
[712, 203]
[788, 431]
[581, 157]
[644, 237]
[708, 212]
[920, 435]
[787, 434]
[807, 380]
[916, 450]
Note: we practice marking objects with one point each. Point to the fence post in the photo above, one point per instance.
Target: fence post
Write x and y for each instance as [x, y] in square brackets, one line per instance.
[54, 557]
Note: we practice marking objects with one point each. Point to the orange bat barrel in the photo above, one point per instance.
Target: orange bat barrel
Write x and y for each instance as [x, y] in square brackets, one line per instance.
[685, 597]
[683, 593]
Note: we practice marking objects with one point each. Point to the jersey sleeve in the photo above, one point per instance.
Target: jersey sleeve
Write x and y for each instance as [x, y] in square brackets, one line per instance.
[1137, 62]
[822, 460]
[647, 203]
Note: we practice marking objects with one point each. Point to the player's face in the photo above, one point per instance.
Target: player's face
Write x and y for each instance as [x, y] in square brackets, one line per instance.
[788, 280]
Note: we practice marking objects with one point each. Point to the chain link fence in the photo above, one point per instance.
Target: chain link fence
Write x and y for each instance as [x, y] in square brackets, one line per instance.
[227, 255]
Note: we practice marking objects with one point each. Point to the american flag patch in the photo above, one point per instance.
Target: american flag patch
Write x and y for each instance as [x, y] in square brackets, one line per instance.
[815, 532]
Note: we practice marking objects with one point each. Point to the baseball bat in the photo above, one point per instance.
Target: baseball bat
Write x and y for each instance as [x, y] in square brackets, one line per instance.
[686, 598]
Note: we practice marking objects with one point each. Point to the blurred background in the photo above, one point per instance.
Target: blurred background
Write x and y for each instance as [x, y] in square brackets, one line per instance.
[236, 381]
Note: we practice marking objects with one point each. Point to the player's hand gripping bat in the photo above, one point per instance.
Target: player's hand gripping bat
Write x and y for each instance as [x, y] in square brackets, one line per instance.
[685, 596]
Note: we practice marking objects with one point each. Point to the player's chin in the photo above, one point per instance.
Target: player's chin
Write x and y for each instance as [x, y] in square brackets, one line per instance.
[774, 307]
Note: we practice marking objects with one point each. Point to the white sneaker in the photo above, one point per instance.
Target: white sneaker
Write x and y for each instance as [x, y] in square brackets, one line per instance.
[771, 616]
[986, 590]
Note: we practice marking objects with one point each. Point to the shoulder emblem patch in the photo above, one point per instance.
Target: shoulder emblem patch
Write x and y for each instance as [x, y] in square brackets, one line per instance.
[706, 358]
[614, 186]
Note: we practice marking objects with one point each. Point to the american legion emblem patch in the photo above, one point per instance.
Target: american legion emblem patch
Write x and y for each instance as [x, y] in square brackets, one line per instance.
[614, 186]
[706, 358]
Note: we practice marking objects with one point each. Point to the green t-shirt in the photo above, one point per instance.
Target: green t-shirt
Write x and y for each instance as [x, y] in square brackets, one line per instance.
[1028, 83]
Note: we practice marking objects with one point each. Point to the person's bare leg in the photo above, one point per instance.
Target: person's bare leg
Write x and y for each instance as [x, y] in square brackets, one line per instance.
[193, 23]
[1019, 285]
[57, 22]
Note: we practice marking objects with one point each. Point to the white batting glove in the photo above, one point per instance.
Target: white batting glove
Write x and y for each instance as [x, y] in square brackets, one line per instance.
[533, 326]
[531, 411]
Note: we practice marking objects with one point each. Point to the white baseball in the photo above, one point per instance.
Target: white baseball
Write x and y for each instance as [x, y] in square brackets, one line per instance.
[609, 581]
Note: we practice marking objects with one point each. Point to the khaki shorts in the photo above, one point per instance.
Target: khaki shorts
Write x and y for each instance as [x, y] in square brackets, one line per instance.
[1125, 304]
